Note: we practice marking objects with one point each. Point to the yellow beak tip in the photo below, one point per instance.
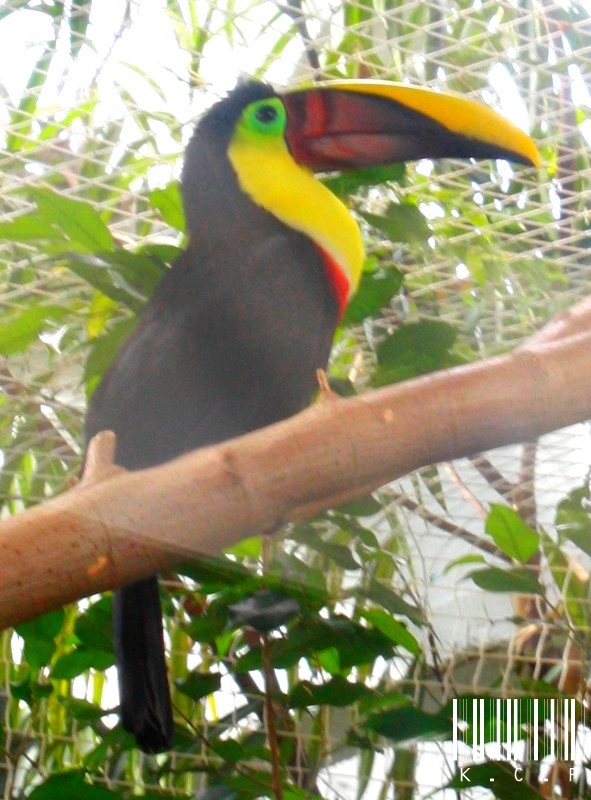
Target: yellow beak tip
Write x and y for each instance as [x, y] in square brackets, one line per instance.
[537, 158]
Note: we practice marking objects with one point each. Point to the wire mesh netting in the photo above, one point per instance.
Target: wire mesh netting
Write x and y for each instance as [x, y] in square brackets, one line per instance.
[97, 101]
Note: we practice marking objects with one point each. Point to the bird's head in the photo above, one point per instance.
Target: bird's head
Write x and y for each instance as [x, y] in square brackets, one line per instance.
[276, 141]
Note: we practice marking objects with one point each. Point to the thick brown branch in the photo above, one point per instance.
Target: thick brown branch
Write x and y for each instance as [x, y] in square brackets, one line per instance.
[113, 530]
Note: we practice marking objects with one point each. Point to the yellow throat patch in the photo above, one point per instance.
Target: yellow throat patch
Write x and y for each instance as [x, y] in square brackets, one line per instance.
[269, 175]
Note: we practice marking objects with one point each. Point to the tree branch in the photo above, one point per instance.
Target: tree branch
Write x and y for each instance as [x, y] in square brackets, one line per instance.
[118, 527]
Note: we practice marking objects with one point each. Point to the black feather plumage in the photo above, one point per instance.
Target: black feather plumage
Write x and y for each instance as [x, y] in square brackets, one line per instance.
[230, 342]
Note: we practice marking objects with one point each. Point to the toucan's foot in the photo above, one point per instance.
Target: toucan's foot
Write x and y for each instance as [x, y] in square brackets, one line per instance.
[100, 459]
[326, 393]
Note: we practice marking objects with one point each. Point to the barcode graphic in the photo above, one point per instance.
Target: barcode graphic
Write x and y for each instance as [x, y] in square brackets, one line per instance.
[523, 729]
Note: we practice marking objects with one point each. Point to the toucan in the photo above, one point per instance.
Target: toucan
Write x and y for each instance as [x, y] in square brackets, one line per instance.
[235, 332]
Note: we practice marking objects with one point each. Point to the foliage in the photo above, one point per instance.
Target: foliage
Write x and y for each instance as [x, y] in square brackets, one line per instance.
[331, 622]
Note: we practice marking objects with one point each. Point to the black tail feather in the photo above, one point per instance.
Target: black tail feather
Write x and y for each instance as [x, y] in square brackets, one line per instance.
[146, 709]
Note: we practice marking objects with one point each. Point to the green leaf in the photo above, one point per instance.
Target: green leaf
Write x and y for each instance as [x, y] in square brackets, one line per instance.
[199, 684]
[70, 786]
[349, 182]
[572, 583]
[511, 534]
[95, 271]
[351, 526]
[401, 222]
[100, 312]
[540, 688]
[94, 627]
[342, 387]
[39, 636]
[383, 702]
[230, 750]
[329, 660]
[104, 349]
[81, 660]
[295, 793]
[19, 127]
[206, 627]
[29, 691]
[366, 760]
[38, 652]
[392, 602]
[394, 630]
[410, 723]
[79, 20]
[81, 113]
[354, 644]
[139, 272]
[250, 547]
[45, 627]
[162, 253]
[112, 742]
[470, 558]
[252, 784]
[337, 692]
[361, 508]
[169, 203]
[167, 796]
[28, 227]
[19, 330]
[341, 556]
[415, 349]
[368, 538]
[338, 553]
[375, 290]
[215, 573]
[128, 278]
[573, 519]
[297, 578]
[519, 580]
[22, 691]
[79, 222]
[82, 710]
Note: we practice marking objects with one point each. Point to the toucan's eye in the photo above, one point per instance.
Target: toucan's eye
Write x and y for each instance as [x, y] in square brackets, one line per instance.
[265, 118]
[266, 114]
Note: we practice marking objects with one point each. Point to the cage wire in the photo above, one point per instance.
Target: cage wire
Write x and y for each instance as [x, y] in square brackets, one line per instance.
[97, 100]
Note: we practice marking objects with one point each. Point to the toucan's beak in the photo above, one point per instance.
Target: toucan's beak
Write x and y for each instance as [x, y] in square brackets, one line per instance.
[352, 124]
